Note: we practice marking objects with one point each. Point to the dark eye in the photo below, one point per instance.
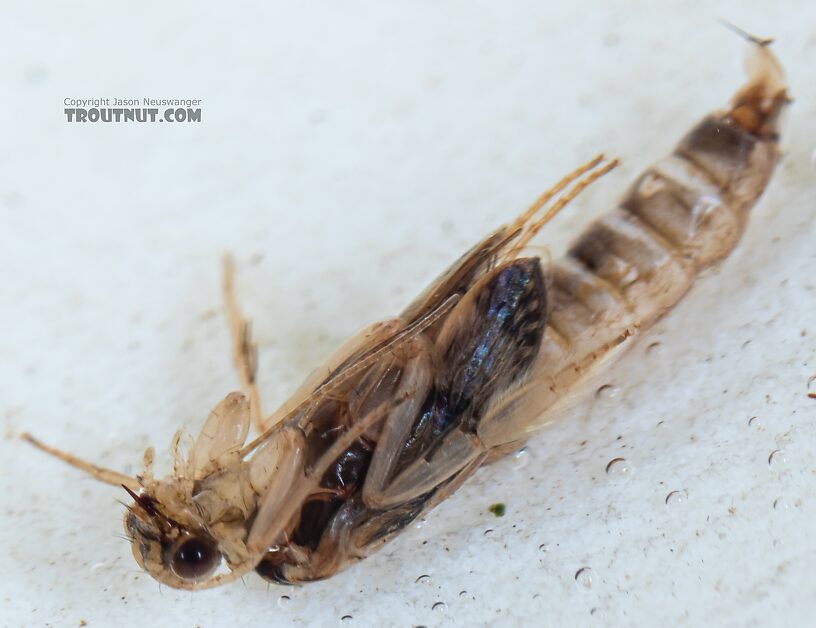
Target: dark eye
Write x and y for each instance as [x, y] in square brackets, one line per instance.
[194, 558]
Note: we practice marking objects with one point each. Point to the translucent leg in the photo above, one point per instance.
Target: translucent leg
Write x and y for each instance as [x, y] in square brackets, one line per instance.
[244, 351]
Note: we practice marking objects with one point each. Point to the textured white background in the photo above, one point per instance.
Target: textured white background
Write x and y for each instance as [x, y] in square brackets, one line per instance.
[347, 153]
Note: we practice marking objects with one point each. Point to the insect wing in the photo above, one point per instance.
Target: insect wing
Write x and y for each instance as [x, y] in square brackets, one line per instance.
[225, 430]
[372, 335]
[460, 276]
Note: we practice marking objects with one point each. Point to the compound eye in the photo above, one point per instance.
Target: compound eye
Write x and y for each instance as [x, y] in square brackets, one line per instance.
[194, 558]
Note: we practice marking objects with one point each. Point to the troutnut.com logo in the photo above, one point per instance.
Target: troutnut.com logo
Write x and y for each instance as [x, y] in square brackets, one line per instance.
[132, 109]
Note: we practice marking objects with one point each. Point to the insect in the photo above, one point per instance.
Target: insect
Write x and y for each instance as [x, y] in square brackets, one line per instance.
[406, 411]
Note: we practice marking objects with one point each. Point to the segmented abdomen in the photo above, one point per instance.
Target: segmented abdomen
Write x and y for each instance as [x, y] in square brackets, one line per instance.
[682, 215]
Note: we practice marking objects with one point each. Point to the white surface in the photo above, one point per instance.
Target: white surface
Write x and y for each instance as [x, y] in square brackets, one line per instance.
[347, 153]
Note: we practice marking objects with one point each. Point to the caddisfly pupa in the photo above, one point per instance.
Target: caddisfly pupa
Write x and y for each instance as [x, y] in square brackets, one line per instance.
[405, 412]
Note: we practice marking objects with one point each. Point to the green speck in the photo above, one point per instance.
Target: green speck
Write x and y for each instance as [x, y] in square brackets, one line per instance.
[497, 509]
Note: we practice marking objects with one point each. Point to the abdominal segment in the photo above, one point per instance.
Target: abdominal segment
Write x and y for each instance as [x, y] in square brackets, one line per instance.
[633, 265]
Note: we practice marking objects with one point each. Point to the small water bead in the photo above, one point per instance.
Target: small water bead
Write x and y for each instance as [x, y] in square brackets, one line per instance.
[598, 613]
[777, 458]
[654, 348]
[284, 601]
[544, 547]
[346, 618]
[811, 387]
[676, 498]
[583, 577]
[440, 607]
[786, 505]
[618, 468]
[521, 458]
[756, 422]
[423, 579]
[607, 391]
[488, 532]
[462, 593]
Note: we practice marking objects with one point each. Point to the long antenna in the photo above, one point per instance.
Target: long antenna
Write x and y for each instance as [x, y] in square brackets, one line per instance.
[759, 41]
[108, 476]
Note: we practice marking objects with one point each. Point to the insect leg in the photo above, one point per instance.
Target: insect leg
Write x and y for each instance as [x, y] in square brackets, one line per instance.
[457, 480]
[500, 244]
[277, 506]
[244, 350]
[389, 445]
[413, 388]
[533, 228]
[549, 194]
[456, 452]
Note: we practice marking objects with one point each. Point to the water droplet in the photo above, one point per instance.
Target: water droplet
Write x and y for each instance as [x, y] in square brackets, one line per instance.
[439, 606]
[756, 422]
[618, 468]
[423, 579]
[676, 498]
[462, 593]
[584, 577]
[654, 348]
[786, 505]
[598, 613]
[283, 601]
[544, 547]
[420, 523]
[607, 391]
[346, 618]
[488, 532]
[777, 458]
[521, 458]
